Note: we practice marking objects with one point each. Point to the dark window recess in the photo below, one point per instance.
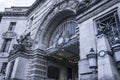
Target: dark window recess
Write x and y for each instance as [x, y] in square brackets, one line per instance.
[31, 22]
[110, 26]
[6, 45]
[3, 69]
[69, 74]
[12, 26]
[53, 72]
[0, 18]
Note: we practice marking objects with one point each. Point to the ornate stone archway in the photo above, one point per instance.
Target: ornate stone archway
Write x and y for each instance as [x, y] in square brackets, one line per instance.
[60, 11]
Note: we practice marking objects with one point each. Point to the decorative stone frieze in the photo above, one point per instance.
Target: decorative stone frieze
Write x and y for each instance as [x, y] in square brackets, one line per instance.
[72, 5]
[14, 13]
[9, 35]
[65, 5]
[86, 4]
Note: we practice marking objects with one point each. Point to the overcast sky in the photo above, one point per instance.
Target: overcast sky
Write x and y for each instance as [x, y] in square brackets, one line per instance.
[9, 3]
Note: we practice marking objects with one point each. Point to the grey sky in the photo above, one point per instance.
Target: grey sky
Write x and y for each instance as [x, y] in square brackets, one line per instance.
[9, 3]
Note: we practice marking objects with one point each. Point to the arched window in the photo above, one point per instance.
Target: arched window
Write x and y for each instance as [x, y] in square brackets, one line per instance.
[64, 31]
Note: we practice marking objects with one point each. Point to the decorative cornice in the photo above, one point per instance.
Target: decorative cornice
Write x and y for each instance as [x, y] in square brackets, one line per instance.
[92, 11]
[34, 5]
[16, 54]
[83, 6]
[86, 4]
[116, 47]
[30, 54]
[13, 13]
[26, 13]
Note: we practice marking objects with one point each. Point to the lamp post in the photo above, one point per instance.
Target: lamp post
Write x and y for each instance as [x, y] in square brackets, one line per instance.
[92, 59]
[116, 50]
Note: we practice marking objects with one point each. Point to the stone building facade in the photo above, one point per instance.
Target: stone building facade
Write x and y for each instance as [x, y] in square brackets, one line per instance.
[61, 40]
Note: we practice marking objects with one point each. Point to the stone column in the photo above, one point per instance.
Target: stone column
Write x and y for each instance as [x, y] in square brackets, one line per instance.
[1, 63]
[8, 70]
[106, 65]
[20, 69]
[17, 67]
[38, 66]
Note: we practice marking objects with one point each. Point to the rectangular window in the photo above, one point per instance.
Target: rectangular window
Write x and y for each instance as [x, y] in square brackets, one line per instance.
[0, 18]
[6, 45]
[12, 26]
[11, 70]
[3, 69]
[31, 22]
[110, 26]
[69, 74]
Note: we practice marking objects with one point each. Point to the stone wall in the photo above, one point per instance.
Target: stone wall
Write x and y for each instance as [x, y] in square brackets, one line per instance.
[88, 40]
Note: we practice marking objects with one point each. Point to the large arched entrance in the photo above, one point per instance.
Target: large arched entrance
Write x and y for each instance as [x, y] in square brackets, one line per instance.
[62, 43]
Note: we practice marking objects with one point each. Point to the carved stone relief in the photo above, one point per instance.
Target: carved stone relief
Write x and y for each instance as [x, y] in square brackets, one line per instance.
[71, 5]
[24, 43]
[63, 5]
[109, 26]
[9, 34]
[84, 4]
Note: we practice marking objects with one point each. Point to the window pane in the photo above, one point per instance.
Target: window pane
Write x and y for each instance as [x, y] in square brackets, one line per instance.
[66, 29]
[6, 45]
[3, 69]
[12, 26]
[109, 25]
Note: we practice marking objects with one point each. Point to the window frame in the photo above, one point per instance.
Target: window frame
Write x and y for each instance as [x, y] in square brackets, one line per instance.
[12, 26]
[112, 11]
[64, 26]
[6, 45]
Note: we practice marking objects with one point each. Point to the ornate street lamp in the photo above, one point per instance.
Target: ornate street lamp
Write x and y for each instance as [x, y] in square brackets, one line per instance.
[92, 59]
[116, 50]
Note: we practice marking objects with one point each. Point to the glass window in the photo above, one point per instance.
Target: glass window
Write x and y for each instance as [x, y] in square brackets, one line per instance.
[110, 26]
[6, 45]
[3, 69]
[66, 29]
[0, 18]
[12, 26]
